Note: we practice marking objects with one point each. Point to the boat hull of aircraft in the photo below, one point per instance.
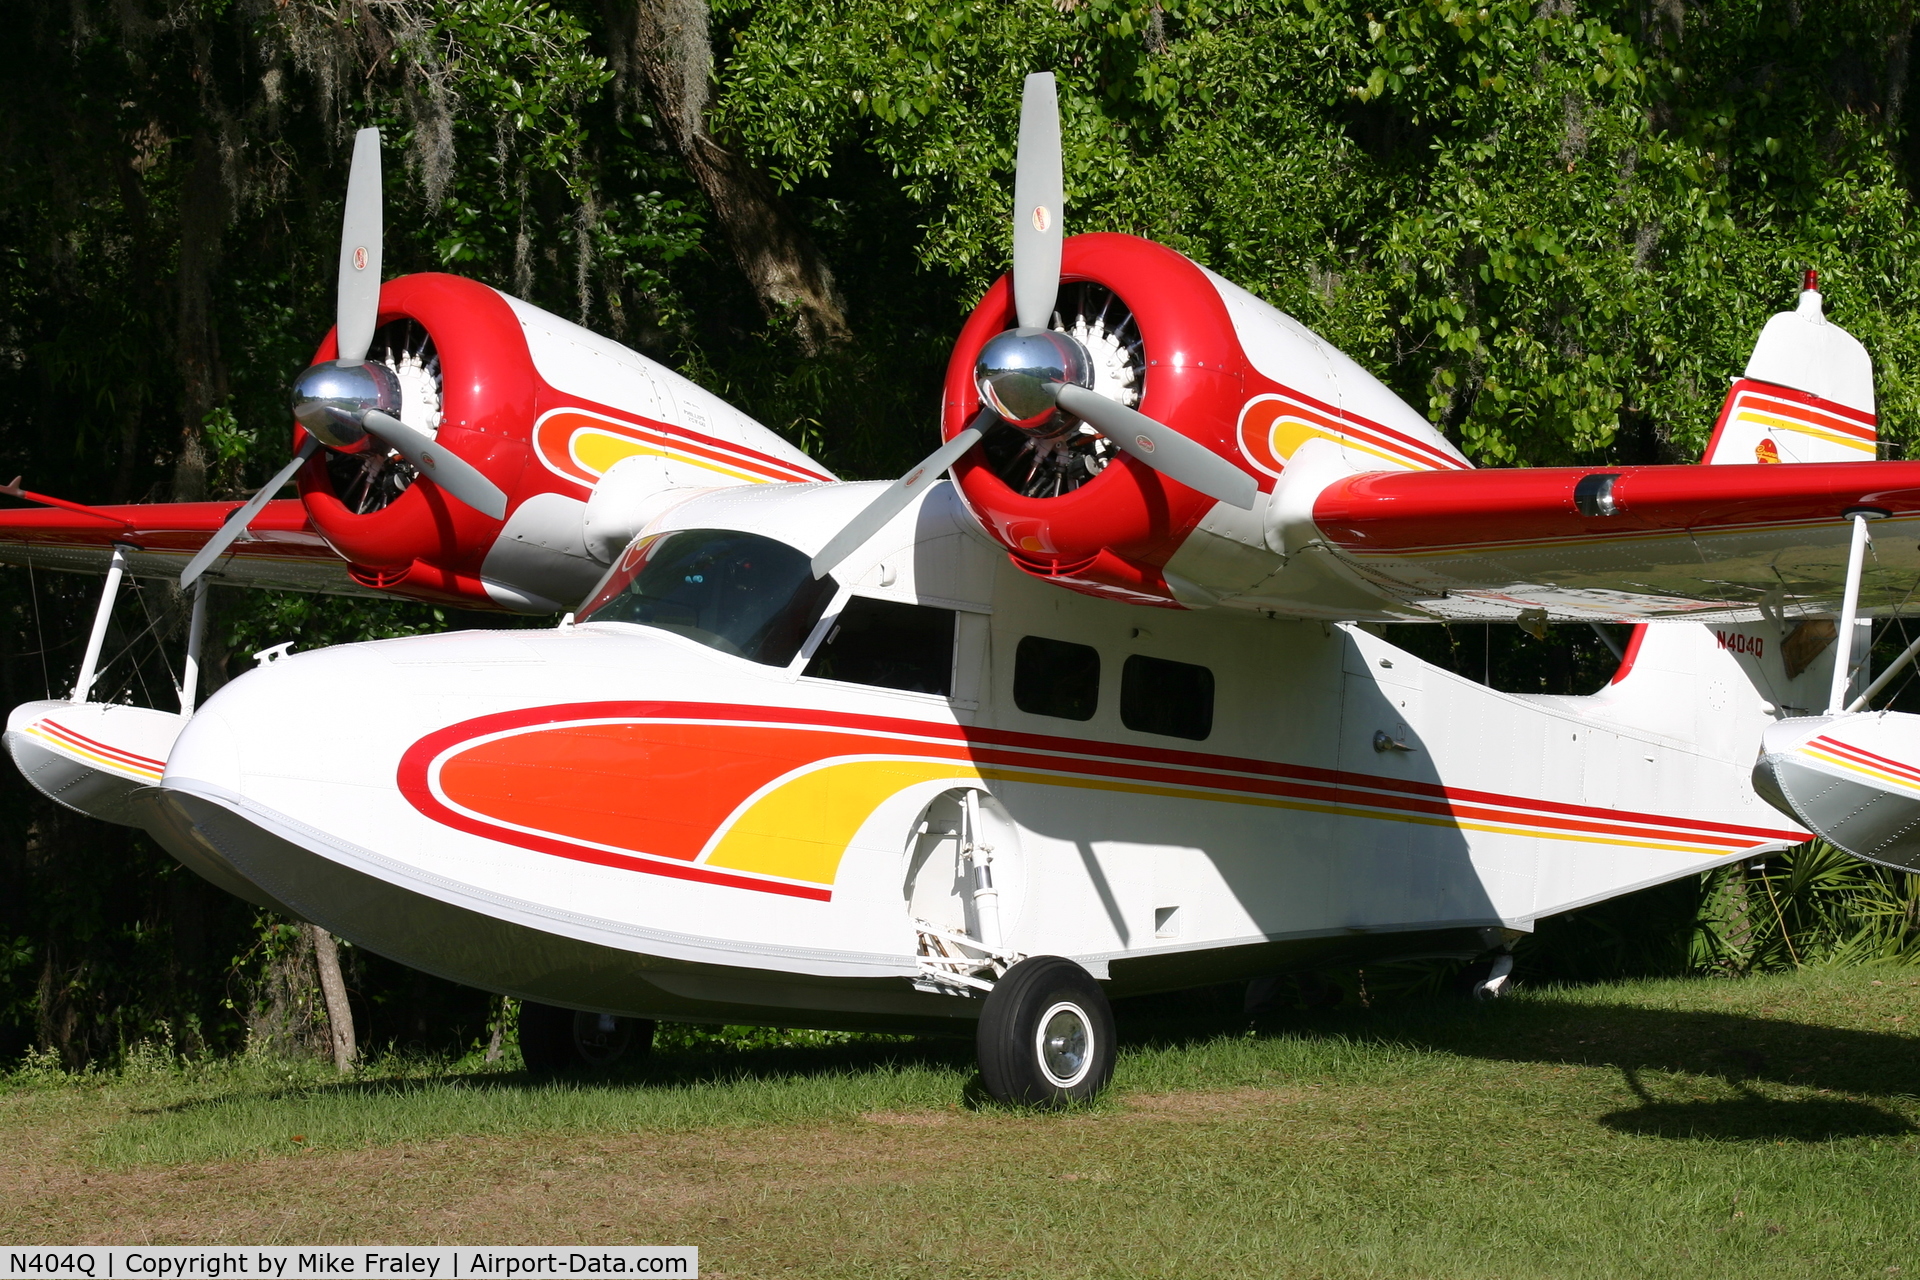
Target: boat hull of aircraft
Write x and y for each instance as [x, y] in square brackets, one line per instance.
[619, 818]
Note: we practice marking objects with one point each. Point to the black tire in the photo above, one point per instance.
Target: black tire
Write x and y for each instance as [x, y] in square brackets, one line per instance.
[1046, 1035]
[555, 1041]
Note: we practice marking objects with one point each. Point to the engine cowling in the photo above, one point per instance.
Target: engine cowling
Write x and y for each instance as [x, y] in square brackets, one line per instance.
[543, 408]
[1188, 348]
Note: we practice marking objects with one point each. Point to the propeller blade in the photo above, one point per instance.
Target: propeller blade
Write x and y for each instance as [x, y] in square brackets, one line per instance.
[236, 524]
[1160, 446]
[1039, 199]
[442, 466]
[895, 497]
[358, 307]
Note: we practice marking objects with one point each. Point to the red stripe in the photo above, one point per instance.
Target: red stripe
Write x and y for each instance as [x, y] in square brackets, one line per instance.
[1633, 654]
[1451, 804]
[413, 783]
[625, 419]
[1798, 396]
[1347, 418]
[1860, 755]
[1338, 795]
[1084, 756]
[80, 739]
[1810, 415]
[666, 438]
[604, 858]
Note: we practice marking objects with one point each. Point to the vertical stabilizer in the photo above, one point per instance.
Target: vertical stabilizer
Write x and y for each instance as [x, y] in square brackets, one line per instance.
[1806, 395]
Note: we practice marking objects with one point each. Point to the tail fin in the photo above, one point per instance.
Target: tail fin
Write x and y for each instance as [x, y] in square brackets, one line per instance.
[1806, 395]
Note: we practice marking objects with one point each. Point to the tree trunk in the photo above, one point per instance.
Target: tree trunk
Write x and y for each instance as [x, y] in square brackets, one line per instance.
[203, 217]
[326, 956]
[664, 44]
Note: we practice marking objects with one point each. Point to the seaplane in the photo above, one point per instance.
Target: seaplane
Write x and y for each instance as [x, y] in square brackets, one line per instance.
[1092, 702]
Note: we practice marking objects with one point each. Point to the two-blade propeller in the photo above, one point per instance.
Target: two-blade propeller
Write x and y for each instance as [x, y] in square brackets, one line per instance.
[1028, 372]
[342, 402]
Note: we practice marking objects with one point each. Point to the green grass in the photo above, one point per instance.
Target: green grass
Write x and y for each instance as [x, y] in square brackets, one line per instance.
[1767, 1126]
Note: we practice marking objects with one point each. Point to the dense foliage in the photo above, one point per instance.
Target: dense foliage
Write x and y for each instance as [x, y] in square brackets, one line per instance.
[1555, 226]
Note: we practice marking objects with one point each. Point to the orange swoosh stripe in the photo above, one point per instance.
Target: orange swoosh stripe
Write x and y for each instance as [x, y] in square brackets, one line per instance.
[796, 746]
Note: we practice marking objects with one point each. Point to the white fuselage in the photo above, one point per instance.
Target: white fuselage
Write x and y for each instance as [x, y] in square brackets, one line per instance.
[618, 817]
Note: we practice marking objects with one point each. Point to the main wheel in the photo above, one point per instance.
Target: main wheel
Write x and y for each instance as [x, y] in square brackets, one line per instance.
[1046, 1035]
[554, 1040]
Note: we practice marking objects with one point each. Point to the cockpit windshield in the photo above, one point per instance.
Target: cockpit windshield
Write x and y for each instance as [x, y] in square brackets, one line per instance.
[739, 593]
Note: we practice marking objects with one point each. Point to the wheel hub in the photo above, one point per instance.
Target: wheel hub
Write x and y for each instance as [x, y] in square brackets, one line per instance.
[1065, 1042]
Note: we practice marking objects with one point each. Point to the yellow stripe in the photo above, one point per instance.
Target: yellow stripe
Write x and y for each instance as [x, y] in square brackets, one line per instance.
[799, 829]
[1405, 461]
[117, 766]
[1344, 811]
[1864, 770]
[1285, 443]
[598, 450]
[1790, 424]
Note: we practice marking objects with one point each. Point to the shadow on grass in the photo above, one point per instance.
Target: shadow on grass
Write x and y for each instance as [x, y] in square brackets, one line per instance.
[1738, 1050]
[1751, 1116]
[679, 1068]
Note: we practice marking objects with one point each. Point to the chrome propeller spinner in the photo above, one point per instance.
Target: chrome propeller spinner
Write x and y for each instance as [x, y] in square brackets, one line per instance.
[1019, 374]
[333, 398]
[1028, 372]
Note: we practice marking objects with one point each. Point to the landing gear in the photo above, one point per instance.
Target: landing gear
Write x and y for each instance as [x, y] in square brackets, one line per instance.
[1046, 1035]
[1488, 980]
[557, 1041]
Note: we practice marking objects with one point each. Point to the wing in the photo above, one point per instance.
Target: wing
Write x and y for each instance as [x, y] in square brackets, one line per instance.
[1629, 544]
[281, 550]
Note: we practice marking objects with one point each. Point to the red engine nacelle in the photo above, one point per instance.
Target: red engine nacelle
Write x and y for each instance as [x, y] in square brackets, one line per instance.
[542, 408]
[1213, 362]
[423, 543]
[1110, 535]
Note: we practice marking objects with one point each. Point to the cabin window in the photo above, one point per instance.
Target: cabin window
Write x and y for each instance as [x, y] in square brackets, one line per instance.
[1171, 698]
[889, 644]
[739, 593]
[1056, 678]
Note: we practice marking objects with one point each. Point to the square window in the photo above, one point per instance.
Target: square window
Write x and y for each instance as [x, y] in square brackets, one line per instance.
[1170, 698]
[1056, 678]
[889, 644]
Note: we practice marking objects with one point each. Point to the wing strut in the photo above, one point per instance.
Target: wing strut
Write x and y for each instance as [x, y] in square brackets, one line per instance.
[1850, 609]
[116, 569]
[196, 634]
